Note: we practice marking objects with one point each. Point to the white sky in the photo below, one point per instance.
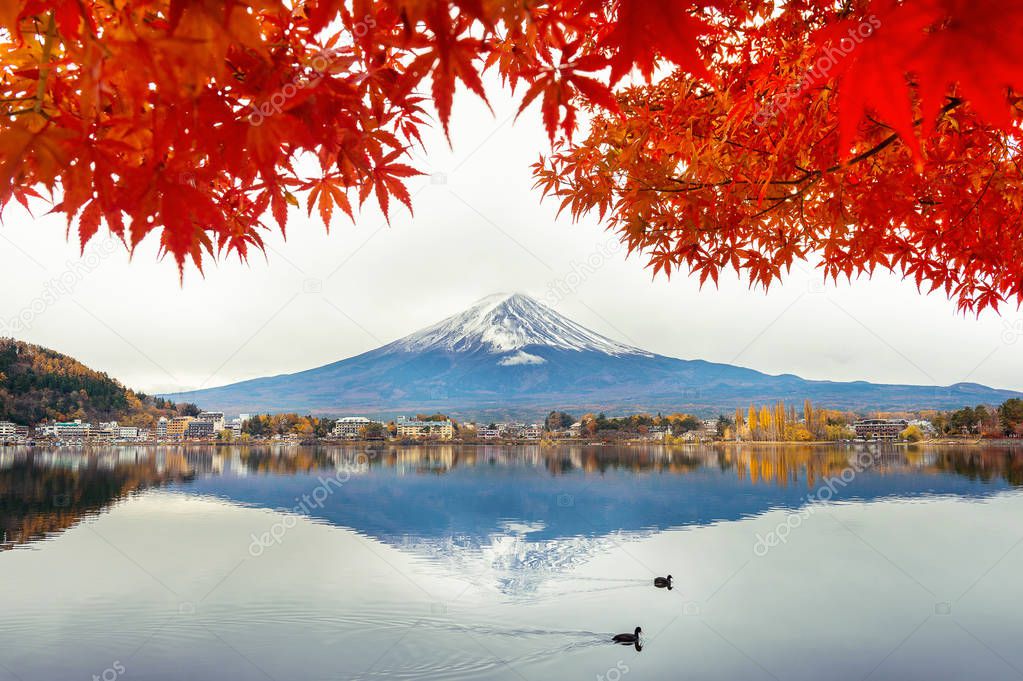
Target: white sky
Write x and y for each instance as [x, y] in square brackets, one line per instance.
[479, 228]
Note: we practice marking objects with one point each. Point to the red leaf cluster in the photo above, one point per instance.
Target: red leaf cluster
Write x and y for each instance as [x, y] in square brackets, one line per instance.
[188, 118]
[742, 133]
[879, 134]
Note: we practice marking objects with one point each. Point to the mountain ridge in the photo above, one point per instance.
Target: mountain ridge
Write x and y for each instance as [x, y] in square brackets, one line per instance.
[505, 322]
[39, 384]
[508, 355]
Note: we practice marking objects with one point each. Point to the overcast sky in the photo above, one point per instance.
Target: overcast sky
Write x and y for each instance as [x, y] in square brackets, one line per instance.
[479, 228]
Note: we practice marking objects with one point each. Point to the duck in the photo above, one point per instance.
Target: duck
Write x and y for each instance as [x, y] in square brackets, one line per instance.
[661, 582]
[628, 638]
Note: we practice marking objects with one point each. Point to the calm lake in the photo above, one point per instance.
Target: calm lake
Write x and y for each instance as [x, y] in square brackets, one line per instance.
[516, 563]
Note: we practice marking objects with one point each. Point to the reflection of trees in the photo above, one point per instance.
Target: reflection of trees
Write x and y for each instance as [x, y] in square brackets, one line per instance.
[776, 464]
[264, 461]
[783, 465]
[42, 494]
[780, 465]
[988, 464]
[599, 460]
[786, 464]
[45, 492]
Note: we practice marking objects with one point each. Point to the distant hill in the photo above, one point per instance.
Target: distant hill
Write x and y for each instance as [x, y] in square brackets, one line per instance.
[38, 384]
[510, 355]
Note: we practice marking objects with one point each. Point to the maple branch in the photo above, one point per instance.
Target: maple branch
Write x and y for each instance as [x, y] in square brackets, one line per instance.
[807, 180]
[807, 174]
[980, 198]
[44, 63]
[888, 141]
[787, 197]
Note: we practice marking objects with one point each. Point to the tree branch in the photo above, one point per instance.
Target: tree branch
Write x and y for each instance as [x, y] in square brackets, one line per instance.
[807, 174]
[44, 63]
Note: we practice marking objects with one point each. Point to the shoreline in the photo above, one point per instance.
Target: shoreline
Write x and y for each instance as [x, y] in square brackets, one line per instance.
[382, 444]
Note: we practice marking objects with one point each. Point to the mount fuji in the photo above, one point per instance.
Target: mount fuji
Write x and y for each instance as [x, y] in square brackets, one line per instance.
[509, 355]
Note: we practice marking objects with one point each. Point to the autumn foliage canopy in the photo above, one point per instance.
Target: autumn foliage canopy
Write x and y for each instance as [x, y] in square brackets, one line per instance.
[739, 134]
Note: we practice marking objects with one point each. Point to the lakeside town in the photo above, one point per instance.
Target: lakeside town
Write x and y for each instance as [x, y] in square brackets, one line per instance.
[769, 423]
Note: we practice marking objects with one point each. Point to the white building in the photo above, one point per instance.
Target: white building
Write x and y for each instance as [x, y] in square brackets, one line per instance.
[214, 417]
[7, 429]
[349, 427]
[511, 430]
[880, 429]
[925, 426]
[533, 431]
[235, 426]
[115, 431]
[72, 429]
[657, 433]
[414, 428]
[161, 427]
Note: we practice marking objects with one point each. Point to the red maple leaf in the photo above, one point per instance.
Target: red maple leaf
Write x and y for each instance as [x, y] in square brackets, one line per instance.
[646, 29]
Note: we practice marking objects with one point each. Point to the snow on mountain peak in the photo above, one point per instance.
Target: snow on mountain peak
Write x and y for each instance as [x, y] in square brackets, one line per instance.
[506, 323]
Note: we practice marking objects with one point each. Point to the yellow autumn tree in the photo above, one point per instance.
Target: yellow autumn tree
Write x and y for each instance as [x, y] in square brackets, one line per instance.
[766, 422]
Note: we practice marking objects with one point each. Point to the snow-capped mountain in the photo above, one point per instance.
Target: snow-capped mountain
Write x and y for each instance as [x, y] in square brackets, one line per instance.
[506, 323]
[509, 355]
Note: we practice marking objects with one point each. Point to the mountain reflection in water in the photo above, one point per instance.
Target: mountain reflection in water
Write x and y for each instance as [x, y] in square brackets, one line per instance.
[510, 563]
[488, 489]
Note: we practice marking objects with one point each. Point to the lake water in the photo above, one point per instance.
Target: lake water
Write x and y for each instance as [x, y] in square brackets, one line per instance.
[512, 563]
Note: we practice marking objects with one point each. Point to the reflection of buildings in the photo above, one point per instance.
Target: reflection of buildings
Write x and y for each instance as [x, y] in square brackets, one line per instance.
[390, 495]
[779, 465]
